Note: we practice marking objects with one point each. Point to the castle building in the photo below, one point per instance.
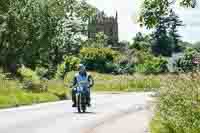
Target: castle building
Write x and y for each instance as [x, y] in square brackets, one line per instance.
[105, 24]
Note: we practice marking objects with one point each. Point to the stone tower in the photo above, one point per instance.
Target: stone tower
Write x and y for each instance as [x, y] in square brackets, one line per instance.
[105, 24]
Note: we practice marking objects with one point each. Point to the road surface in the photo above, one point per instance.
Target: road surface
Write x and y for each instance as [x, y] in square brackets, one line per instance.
[110, 113]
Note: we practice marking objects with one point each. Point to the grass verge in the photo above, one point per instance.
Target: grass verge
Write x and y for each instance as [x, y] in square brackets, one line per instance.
[178, 108]
[12, 93]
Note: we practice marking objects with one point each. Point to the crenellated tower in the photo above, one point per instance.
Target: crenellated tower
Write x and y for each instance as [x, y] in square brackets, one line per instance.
[106, 24]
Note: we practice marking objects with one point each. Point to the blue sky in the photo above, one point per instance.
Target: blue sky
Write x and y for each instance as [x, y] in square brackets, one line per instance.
[129, 9]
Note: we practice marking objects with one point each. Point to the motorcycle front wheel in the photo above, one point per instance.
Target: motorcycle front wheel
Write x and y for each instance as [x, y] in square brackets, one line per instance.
[78, 101]
[81, 103]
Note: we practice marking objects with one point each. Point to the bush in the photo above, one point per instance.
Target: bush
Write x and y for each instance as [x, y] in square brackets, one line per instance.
[31, 81]
[151, 64]
[178, 110]
[28, 74]
[125, 64]
[186, 63]
[142, 45]
[98, 58]
[110, 67]
[69, 64]
[61, 70]
[41, 72]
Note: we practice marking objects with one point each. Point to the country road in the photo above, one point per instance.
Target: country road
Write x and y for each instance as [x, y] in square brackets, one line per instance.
[110, 113]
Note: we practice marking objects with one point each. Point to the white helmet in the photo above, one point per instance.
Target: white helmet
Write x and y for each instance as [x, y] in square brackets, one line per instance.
[82, 68]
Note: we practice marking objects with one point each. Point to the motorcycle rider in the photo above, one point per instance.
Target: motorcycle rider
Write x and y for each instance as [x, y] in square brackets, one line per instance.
[79, 78]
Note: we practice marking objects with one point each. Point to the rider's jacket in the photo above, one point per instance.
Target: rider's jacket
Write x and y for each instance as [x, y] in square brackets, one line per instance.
[84, 80]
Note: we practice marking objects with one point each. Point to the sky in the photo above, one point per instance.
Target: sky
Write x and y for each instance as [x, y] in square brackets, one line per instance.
[129, 9]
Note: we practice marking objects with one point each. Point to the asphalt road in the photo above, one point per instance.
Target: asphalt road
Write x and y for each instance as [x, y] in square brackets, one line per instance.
[110, 113]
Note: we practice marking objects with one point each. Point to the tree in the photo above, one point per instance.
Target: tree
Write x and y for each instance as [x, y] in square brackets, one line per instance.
[152, 9]
[166, 37]
[72, 26]
[21, 28]
[141, 42]
[40, 32]
[159, 15]
[175, 22]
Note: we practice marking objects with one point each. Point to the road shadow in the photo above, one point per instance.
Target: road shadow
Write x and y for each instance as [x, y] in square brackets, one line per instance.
[88, 113]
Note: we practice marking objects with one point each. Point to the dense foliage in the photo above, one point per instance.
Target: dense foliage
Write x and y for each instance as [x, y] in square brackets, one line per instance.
[38, 32]
[149, 64]
[160, 16]
[100, 59]
[31, 81]
[178, 108]
[186, 63]
[153, 9]
[69, 64]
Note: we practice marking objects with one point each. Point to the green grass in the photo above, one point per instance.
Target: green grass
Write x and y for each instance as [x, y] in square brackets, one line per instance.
[23, 98]
[58, 88]
[178, 107]
[12, 93]
[156, 125]
[108, 82]
[105, 82]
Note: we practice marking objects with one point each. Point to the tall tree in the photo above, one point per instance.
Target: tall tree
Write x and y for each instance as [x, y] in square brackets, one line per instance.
[159, 15]
[162, 44]
[175, 23]
[36, 32]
